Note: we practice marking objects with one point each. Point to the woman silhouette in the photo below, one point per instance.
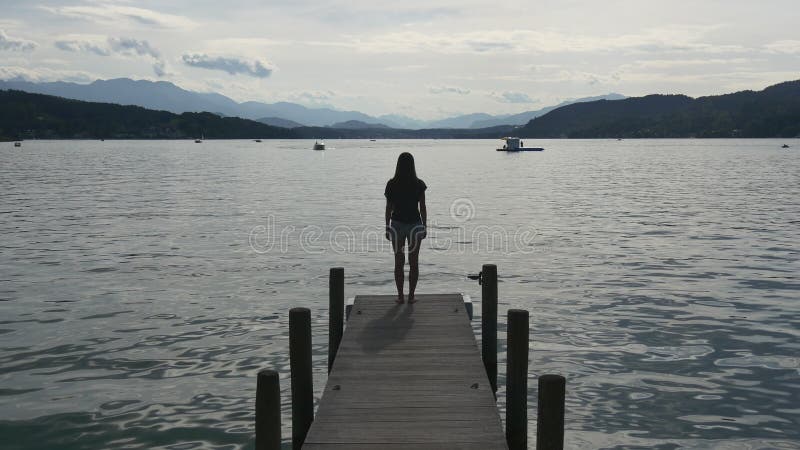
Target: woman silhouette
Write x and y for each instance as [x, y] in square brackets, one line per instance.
[406, 217]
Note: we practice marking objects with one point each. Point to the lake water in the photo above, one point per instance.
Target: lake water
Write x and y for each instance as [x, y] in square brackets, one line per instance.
[144, 284]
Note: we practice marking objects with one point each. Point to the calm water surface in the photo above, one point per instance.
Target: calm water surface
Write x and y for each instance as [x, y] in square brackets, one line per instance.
[144, 284]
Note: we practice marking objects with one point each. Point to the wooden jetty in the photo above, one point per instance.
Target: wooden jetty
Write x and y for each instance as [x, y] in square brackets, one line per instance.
[407, 377]
[410, 376]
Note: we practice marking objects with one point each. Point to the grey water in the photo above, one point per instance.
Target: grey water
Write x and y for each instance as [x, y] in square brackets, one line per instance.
[143, 284]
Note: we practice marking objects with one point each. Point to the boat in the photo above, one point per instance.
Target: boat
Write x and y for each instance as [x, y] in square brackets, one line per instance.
[257, 140]
[319, 145]
[514, 144]
[202, 138]
[785, 146]
[17, 144]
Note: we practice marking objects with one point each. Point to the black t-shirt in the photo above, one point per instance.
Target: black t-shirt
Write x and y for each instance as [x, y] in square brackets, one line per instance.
[404, 199]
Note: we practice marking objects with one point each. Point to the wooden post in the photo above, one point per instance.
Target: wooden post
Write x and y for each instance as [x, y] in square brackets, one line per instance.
[268, 411]
[302, 377]
[489, 322]
[517, 380]
[335, 313]
[550, 420]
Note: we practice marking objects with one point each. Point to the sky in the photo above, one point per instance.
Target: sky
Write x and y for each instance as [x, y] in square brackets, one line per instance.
[423, 59]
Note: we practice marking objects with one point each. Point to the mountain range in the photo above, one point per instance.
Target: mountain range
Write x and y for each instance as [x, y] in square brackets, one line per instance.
[166, 96]
[771, 112]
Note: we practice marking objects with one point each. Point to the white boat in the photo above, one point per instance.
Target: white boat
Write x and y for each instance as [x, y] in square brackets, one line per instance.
[319, 145]
[514, 144]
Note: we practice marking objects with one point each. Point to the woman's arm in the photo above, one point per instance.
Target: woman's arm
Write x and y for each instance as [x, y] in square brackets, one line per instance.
[423, 210]
[388, 214]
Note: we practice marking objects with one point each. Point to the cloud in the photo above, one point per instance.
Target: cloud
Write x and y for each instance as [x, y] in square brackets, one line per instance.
[675, 39]
[512, 97]
[313, 98]
[15, 44]
[784, 47]
[107, 46]
[111, 13]
[160, 69]
[98, 47]
[43, 74]
[130, 45]
[233, 66]
[448, 90]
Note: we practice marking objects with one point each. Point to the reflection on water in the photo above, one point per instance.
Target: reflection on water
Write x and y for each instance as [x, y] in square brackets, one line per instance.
[661, 277]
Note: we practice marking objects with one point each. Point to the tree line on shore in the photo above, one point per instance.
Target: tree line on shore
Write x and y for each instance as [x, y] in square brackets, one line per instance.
[773, 112]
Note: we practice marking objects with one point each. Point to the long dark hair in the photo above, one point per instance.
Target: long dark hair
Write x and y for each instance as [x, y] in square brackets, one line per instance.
[405, 172]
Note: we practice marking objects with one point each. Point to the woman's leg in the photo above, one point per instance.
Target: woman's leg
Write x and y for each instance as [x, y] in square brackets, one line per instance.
[399, 265]
[414, 245]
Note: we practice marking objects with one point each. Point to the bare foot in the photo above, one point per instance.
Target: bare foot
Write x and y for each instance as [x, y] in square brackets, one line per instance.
[411, 299]
[399, 300]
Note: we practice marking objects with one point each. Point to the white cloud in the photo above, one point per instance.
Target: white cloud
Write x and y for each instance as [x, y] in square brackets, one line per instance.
[86, 44]
[512, 97]
[678, 39]
[448, 90]
[160, 69]
[106, 13]
[15, 44]
[231, 65]
[107, 46]
[43, 74]
[315, 98]
[130, 46]
[784, 47]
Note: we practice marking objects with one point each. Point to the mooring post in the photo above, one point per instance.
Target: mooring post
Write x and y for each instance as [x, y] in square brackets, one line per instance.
[550, 417]
[302, 377]
[489, 322]
[268, 411]
[336, 313]
[517, 379]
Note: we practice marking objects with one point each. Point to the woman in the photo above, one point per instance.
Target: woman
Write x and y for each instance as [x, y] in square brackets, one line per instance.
[406, 217]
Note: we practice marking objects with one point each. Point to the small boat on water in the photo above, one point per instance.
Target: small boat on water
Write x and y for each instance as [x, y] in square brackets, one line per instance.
[257, 140]
[514, 144]
[785, 146]
[319, 145]
[17, 144]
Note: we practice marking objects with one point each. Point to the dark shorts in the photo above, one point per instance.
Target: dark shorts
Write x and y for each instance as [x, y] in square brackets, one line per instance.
[412, 232]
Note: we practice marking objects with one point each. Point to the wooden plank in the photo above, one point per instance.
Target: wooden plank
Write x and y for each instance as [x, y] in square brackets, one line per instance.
[488, 445]
[407, 377]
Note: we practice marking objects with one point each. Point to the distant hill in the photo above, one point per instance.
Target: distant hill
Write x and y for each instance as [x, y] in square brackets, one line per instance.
[278, 122]
[358, 125]
[525, 117]
[463, 121]
[400, 121]
[398, 133]
[165, 96]
[773, 112]
[299, 113]
[26, 115]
